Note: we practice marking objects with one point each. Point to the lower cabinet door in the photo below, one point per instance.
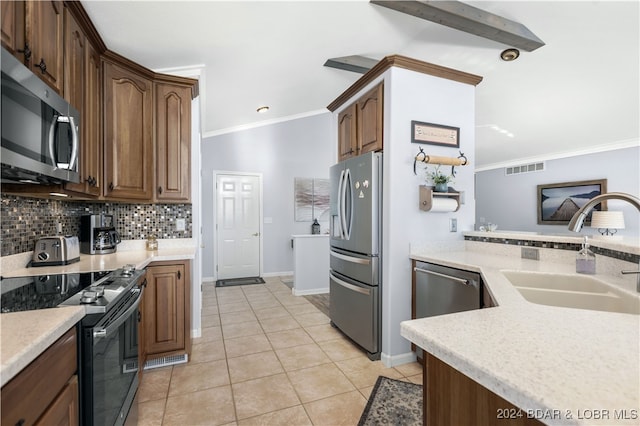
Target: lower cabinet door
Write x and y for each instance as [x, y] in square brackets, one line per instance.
[64, 409]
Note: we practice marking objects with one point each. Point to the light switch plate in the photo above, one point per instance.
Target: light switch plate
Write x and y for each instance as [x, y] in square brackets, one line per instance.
[180, 225]
[453, 225]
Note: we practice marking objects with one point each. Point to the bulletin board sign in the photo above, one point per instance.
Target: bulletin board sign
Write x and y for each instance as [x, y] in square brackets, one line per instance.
[435, 134]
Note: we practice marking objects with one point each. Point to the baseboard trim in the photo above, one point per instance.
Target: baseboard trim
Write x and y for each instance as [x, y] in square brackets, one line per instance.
[276, 274]
[395, 360]
[309, 292]
[208, 280]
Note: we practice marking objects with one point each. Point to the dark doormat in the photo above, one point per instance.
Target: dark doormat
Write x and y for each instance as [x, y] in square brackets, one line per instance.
[393, 402]
[239, 281]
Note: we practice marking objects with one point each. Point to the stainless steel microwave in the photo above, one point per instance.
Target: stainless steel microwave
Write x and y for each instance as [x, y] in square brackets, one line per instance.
[40, 130]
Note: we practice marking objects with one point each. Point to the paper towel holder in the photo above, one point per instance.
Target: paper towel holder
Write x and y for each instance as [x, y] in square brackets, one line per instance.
[427, 194]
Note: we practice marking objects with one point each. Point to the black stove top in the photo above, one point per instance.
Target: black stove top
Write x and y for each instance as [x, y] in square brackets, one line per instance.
[43, 291]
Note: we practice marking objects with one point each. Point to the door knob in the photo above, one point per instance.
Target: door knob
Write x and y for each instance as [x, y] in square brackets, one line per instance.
[256, 234]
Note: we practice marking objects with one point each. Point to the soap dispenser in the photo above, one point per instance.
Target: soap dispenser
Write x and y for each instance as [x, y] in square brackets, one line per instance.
[585, 259]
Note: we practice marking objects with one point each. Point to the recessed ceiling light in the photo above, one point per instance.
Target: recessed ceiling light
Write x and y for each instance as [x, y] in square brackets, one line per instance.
[263, 109]
[509, 55]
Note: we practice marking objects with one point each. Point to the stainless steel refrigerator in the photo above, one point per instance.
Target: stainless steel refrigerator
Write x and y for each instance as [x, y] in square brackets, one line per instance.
[355, 256]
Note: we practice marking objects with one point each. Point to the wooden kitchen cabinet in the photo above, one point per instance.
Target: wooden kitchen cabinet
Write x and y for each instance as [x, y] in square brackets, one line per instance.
[369, 117]
[33, 31]
[360, 125]
[347, 133]
[82, 90]
[64, 409]
[173, 142]
[46, 391]
[12, 27]
[45, 39]
[167, 309]
[128, 123]
[451, 398]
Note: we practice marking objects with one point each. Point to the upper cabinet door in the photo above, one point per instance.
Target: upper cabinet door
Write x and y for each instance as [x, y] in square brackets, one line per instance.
[74, 51]
[12, 29]
[347, 139]
[45, 35]
[128, 115]
[173, 142]
[92, 122]
[370, 121]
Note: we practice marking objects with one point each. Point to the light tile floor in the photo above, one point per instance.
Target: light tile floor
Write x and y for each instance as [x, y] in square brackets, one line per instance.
[265, 358]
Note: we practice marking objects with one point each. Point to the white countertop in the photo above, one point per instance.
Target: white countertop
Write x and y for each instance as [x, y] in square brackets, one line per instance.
[537, 357]
[25, 335]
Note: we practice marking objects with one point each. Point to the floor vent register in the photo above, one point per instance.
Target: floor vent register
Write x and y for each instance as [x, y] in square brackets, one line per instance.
[166, 361]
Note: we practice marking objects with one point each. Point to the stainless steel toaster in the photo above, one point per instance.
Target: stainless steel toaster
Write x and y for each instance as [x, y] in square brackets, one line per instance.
[58, 250]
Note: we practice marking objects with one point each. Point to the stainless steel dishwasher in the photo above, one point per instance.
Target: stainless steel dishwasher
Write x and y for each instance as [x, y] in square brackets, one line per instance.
[442, 290]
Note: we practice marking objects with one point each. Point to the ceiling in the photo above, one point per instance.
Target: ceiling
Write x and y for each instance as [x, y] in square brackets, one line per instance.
[578, 93]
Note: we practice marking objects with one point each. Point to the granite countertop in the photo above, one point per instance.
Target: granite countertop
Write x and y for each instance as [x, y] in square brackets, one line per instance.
[537, 357]
[25, 335]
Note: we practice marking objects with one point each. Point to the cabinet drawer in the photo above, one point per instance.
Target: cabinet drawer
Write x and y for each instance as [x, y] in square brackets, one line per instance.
[29, 394]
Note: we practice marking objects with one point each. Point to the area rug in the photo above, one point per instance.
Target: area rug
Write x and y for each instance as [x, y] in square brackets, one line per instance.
[239, 281]
[393, 402]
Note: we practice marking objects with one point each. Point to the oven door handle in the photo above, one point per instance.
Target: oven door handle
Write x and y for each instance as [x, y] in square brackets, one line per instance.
[101, 332]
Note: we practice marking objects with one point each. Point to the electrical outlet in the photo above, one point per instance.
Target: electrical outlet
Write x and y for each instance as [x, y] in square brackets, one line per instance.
[180, 225]
[453, 225]
[530, 253]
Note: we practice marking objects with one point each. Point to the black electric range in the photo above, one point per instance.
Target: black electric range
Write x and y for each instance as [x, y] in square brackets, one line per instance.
[43, 291]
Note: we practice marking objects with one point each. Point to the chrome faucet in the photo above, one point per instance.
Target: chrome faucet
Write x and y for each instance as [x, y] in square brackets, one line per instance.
[576, 222]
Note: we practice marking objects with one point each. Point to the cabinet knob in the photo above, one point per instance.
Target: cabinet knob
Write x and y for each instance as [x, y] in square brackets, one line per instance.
[26, 51]
[42, 65]
[20, 422]
[111, 187]
[159, 190]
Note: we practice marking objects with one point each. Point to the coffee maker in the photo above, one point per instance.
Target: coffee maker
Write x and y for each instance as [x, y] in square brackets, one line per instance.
[98, 234]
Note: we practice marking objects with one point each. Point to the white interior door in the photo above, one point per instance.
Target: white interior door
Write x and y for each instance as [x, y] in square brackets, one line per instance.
[238, 226]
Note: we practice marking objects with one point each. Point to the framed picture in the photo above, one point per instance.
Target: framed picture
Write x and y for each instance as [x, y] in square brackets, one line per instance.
[435, 134]
[558, 202]
[311, 199]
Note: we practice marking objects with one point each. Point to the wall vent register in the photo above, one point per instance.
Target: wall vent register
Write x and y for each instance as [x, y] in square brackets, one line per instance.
[524, 168]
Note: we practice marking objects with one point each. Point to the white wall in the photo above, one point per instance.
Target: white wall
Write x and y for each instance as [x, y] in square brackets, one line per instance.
[301, 147]
[415, 96]
[511, 201]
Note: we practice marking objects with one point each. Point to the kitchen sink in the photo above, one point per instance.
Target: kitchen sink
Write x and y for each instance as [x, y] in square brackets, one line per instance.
[573, 291]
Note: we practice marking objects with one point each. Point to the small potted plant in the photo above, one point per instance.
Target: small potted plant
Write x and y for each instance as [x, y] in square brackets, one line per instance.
[439, 179]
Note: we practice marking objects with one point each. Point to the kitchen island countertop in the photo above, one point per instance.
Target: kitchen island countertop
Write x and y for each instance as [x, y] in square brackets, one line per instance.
[25, 335]
[562, 364]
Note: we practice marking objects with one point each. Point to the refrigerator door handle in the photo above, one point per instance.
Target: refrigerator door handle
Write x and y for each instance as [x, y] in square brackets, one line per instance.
[350, 258]
[340, 203]
[346, 222]
[349, 286]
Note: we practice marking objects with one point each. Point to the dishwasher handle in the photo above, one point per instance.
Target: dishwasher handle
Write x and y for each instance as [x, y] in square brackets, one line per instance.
[448, 277]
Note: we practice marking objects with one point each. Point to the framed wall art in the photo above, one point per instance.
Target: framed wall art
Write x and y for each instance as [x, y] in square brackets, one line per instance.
[311, 199]
[435, 134]
[558, 202]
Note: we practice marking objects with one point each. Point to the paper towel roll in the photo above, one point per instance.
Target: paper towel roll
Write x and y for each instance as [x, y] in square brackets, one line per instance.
[441, 204]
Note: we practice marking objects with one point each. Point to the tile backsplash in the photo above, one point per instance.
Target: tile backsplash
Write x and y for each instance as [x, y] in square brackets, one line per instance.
[24, 220]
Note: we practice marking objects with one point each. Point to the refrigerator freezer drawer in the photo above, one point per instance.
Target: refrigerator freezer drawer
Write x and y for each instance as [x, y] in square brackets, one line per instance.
[354, 309]
[359, 267]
